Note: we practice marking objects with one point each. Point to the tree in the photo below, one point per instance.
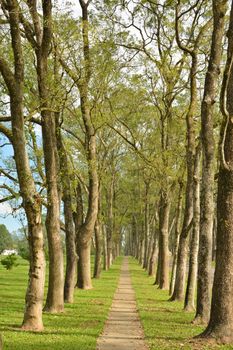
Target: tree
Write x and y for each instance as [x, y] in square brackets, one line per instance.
[6, 240]
[208, 162]
[41, 44]
[220, 326]
[9, 261]
[31, 199]
[192, 50]
[85, 227]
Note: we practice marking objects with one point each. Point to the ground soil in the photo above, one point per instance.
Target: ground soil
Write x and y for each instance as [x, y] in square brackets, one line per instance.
[123, 330]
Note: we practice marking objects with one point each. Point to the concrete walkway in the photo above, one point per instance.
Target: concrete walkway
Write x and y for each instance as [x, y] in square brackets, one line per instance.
[123, 329]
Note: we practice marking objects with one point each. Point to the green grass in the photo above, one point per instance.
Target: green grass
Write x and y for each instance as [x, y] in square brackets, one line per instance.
[165, 324]
[77, 328]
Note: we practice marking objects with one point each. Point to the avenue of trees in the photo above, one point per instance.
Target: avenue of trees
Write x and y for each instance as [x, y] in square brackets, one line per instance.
[116, 128]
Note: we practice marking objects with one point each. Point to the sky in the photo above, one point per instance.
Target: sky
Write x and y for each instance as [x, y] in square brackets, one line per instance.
[6, 216]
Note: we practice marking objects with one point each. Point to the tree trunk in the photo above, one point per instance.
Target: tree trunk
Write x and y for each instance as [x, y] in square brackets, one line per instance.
[55, 295]
[177, 237]
[142, 249]
[146, 226]
[35, 290]
[84, 263]
[71, 257]
[150, 251]
[164, 212]
[208, 162]
[109, 226]
[109, 252]
[105, 265]
[189, 304]
[154, 253]
[99, 249]
[157, 277]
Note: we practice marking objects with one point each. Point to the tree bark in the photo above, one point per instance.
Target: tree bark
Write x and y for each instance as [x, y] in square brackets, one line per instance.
[55, 295]
[158, 269]
[189, 304]
[177, 237]
[99, 248]
[84, 261]
[146, 225]
[208, 162]
[154, 253]
[105, 264]
[109, 224]
[164, 212]
[71, 256]
[142, 247]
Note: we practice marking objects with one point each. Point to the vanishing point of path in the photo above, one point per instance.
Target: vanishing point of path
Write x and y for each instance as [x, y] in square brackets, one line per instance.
[123, 329]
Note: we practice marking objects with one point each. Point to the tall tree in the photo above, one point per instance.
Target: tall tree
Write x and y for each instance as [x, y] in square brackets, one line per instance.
[192, 50]
[85, 228]
[42, 47]
[31, 198]
[208, 162]
[220, 326]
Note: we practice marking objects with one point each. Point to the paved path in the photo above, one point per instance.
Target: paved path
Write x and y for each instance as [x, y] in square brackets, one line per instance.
[123, 329]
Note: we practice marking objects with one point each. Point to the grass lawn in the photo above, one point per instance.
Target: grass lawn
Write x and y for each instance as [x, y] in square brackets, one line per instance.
[77, 328]
[165, 324]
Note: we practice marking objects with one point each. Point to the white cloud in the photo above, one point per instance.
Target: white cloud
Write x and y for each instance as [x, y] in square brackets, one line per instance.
[5, 209]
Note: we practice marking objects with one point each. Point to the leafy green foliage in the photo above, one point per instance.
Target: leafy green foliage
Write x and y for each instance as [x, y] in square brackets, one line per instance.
[9, 261]
[6, 241]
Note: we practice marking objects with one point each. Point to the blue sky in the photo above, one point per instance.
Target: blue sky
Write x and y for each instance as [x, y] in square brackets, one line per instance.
[6, 217]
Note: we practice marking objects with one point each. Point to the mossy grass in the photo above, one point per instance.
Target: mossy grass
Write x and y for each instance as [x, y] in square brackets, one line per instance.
[77, 328]
[166, 325]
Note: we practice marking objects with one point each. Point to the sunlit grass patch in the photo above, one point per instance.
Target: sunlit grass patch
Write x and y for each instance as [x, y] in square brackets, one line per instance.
[166, 325]
[77, 328]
